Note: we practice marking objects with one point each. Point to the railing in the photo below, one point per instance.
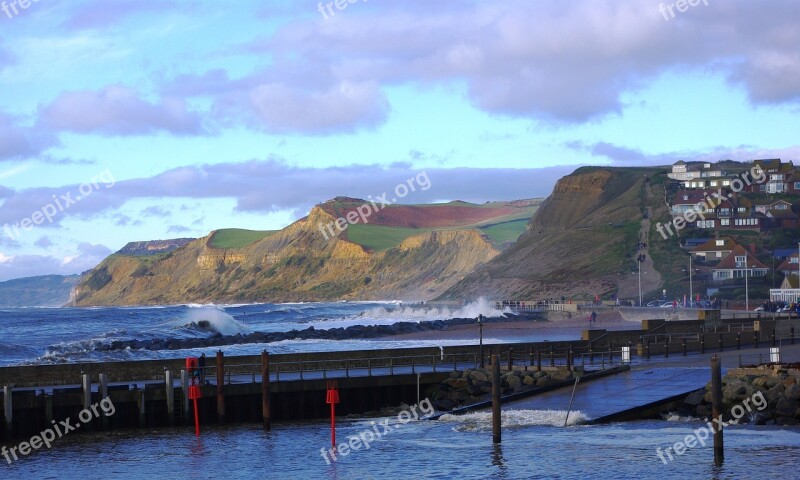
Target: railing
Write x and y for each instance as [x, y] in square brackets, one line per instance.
[733, 327]
[344, 368]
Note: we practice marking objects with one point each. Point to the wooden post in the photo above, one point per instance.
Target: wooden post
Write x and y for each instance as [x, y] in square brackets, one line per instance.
[185, 393]
[510, 359]
[720, 342]
[170, 394]
[142, 408]
[738, 341]
[791, 330]
[220, 387]
[716, 409]
[102, 389]
[495, 399]
[569, 358]
[538, 360]
[48, 408]
[266, 411]
[773, 337]
[8, 409]
[86, 382]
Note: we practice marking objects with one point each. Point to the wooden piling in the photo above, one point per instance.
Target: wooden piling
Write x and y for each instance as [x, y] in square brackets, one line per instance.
[142, 404]
[102, 389]
[185, 393]
[48, 409]
[8, 409]
[86, 383]
[220, 387]
[716, 409]
[538, 360]
[170, 396]
[495, 399]
[266, 411]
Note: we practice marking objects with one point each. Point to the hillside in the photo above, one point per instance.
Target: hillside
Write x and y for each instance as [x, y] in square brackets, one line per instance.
[404, 251]
[578, 243]
[41, 291]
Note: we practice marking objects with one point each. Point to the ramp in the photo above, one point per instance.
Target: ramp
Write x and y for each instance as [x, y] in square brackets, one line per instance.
[624, 396]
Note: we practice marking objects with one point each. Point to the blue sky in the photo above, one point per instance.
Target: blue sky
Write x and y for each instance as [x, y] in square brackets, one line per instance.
[180, 117]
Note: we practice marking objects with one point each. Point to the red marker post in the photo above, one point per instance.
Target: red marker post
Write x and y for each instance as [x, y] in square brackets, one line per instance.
[194, 390]
[332, 399]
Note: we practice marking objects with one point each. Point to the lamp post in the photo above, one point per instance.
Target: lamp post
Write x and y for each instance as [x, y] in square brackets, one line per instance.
[480, 329]
[639, 260]
[746, 289]
[691, 293]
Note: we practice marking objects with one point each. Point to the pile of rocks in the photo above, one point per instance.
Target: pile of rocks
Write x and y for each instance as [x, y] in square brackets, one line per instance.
[472, 386]
[777, 387]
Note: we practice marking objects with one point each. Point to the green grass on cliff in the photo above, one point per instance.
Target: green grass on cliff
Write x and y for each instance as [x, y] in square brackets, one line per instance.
[380, 237]
[506, 231]
[237, 237]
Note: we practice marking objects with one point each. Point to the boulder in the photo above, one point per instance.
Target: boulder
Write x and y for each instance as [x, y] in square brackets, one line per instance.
[528, 380]
[478, 376]
[695, 398]
[543, 381]
[761, 382]
[786, 407]
[775, 393]
[792, 392]
[513, 381]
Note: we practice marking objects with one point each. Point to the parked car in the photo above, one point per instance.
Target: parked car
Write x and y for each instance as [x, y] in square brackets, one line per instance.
[654, 303]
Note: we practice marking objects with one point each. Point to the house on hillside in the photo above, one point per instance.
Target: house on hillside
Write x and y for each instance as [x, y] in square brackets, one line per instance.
[715, 249]
[738, 263]
[691, 200]
[764, 206]
[776, 173]
[683, 172]
[789, 291]
[789, 266]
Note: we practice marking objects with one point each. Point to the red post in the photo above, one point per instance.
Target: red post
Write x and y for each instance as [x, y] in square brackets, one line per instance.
[332, 399]
[194, 390]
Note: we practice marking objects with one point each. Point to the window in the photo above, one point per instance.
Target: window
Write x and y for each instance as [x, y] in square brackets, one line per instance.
[723, 274]
[720, 243]
[724, 221]
[719, 254]
[780, 206]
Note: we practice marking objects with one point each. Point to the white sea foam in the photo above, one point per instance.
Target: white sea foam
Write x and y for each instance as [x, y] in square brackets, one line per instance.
[480, 421]
[217, 318]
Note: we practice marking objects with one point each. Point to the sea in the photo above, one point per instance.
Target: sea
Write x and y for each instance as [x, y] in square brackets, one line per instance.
[535, 443]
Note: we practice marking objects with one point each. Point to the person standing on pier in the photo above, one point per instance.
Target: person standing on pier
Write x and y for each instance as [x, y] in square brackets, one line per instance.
[201, 366]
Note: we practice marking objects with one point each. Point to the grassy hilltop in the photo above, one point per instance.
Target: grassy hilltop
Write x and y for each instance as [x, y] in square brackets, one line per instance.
[404, 251]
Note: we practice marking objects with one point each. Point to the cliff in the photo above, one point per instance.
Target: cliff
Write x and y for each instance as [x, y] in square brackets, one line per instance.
[578, 244]
[389, 259]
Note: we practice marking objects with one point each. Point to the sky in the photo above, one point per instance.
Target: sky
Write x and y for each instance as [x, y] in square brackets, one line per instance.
[126, 120]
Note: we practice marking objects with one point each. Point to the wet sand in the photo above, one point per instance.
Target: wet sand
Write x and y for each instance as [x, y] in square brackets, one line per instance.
[570, 328]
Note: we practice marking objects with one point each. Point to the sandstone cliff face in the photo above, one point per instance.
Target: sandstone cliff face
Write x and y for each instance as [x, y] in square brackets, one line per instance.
[296, 263]
[576, 243]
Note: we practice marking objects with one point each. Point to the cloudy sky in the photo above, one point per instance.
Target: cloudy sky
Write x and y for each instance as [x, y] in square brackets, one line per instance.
[130, 120]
